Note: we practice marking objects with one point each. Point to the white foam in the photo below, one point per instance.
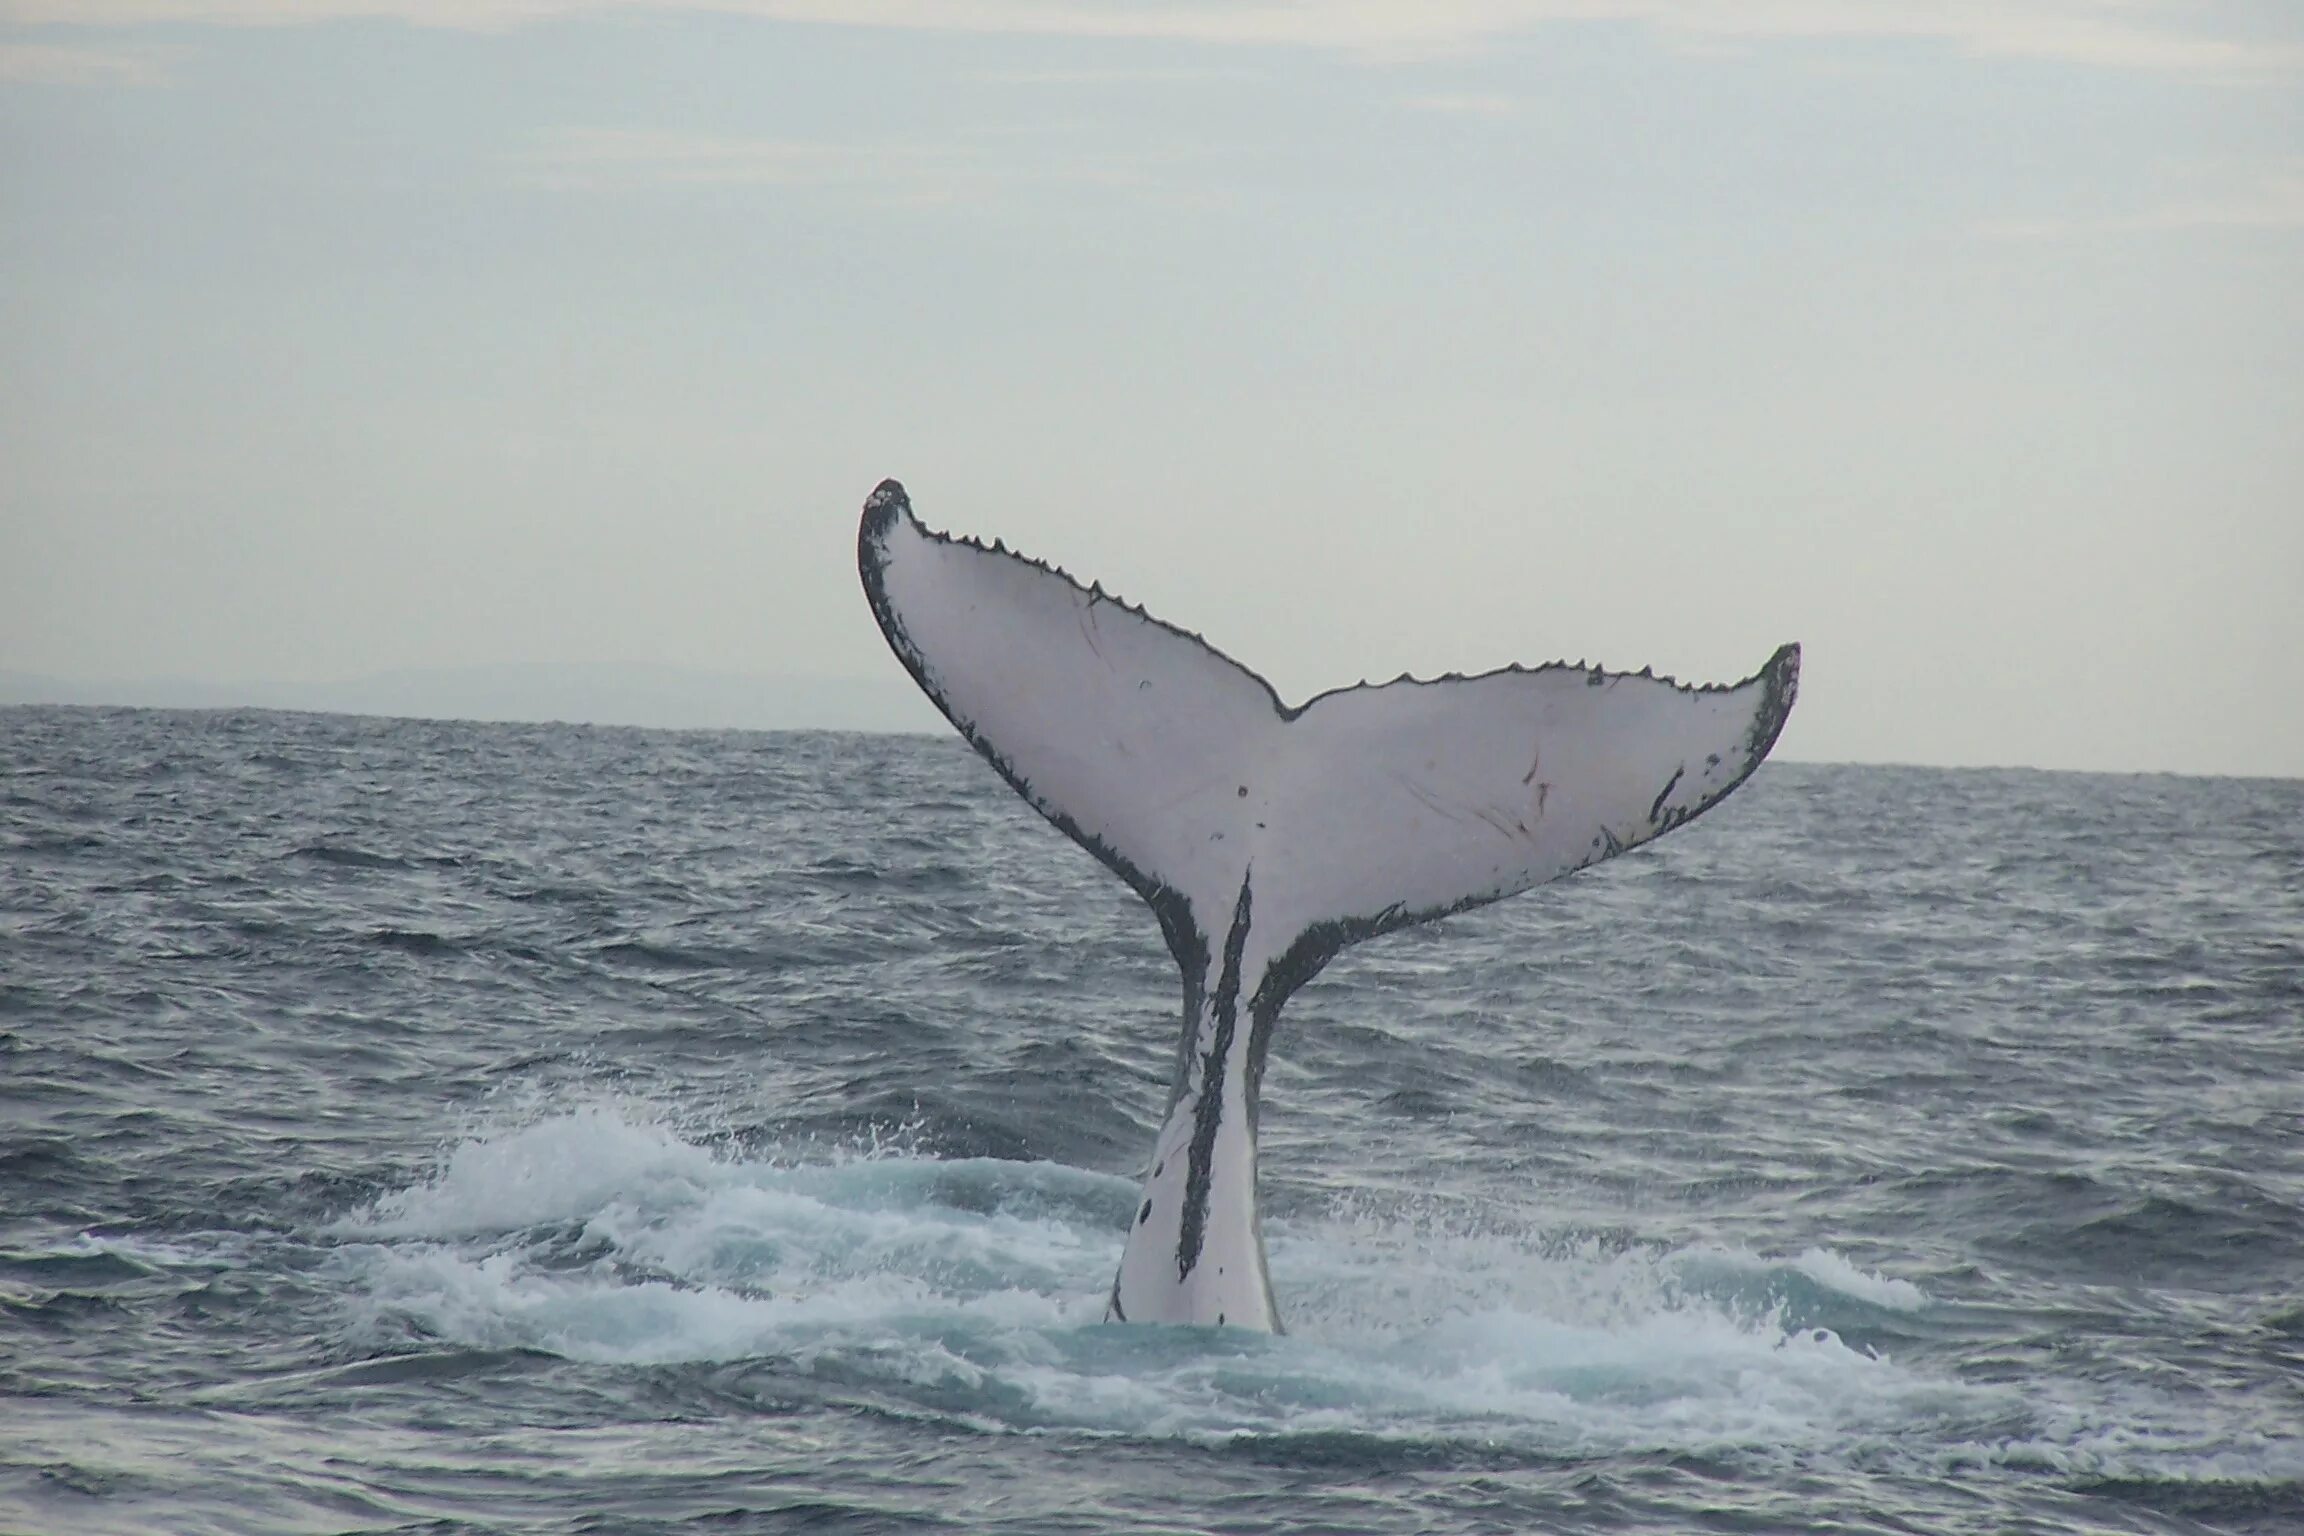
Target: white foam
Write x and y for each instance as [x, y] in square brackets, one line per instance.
[558, 1169]
[216, 1250]
[975, 1288]
[1835, 1273]
[1760, 1282]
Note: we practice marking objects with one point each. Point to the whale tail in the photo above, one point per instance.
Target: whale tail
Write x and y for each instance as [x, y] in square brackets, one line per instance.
[1265, 837]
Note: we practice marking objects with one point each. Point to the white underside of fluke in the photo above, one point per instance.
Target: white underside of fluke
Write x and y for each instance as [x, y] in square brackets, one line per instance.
[1268, 838]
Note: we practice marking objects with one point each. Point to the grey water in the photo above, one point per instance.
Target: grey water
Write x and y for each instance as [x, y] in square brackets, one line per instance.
[414, 1126]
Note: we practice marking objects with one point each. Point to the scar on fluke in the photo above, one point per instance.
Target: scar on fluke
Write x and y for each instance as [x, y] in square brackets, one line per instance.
[1656, 806]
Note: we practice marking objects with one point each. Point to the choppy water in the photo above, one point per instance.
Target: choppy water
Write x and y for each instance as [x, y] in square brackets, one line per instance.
[411, 1126]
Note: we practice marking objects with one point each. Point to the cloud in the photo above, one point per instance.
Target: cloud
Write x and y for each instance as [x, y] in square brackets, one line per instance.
[1106, 77]
[1497, 107]
[2122, 34]
[608, 157]
[900, 173]
[47, 64]
[2267, 199]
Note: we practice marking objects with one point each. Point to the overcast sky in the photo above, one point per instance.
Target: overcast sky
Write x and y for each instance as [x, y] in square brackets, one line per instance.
[1963, 342]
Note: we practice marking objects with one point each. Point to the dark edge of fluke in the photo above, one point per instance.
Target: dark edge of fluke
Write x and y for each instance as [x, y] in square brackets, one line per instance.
[888, 501]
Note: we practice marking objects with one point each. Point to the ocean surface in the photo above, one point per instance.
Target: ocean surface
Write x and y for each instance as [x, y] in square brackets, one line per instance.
[412, 1126]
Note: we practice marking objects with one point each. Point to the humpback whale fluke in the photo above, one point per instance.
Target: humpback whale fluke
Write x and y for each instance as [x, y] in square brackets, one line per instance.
[1266, 838]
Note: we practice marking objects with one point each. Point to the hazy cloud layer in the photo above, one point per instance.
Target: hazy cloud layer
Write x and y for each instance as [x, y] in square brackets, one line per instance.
[2121, 34]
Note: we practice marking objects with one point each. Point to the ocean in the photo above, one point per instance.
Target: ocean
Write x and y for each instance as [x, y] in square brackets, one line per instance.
[439, 1127]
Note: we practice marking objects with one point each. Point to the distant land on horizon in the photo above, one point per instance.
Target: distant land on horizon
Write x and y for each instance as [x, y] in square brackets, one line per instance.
[635, 694]
[648, 696]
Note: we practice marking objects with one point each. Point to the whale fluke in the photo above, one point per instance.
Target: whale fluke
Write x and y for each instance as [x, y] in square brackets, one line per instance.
[1267, 837]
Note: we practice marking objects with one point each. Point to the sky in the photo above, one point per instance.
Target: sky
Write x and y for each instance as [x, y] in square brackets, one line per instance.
[1961, 342]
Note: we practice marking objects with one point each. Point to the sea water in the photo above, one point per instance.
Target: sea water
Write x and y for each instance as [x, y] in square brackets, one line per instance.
[454, 1127]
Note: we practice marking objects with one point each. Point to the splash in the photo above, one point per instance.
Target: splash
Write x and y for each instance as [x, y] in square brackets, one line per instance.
[972, 1289]
[975, 1287]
